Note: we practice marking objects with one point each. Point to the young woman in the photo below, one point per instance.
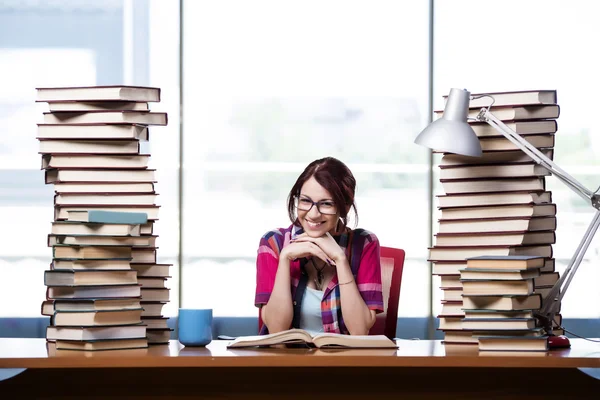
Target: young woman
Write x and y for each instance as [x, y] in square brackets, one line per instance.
[318, 274]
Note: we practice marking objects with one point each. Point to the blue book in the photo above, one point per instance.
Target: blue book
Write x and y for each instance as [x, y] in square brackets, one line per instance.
[107, 217]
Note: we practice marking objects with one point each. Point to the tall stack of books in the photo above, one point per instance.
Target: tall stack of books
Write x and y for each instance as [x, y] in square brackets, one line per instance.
[496, 204]
[92, 145]
[501, 295]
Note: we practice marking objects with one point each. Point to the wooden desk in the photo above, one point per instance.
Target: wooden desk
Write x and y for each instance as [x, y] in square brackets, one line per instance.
[418, 369]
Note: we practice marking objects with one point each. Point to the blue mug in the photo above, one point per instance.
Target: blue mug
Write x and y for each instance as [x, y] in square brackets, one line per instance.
[195, 327]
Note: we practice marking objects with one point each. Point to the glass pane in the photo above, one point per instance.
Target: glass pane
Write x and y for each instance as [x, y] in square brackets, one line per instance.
[538, 47]
[75, 43]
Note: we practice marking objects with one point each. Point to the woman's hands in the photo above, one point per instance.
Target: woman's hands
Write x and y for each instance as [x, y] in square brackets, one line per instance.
[299, 249]
[324, 247]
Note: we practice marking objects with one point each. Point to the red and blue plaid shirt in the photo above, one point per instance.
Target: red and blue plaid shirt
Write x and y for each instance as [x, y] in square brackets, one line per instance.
[365, 264]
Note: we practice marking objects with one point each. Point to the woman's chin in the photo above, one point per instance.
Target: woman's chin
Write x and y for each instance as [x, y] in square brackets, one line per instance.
[315, 233]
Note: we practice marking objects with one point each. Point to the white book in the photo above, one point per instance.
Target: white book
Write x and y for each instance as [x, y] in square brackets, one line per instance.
[97, 106]
[139, 187]
[92, 131]
[100, 175]
[107, 117]
[89, 146]
[97, 93]
[50, 161]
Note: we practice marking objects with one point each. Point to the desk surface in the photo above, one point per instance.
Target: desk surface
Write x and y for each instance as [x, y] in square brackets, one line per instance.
[35, 353]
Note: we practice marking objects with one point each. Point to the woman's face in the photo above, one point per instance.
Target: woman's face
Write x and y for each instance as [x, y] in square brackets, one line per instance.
[314, 222]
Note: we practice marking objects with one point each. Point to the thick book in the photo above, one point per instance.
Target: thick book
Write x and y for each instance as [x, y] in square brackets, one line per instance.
[521, 127]
[498, 324]
[96, 187]
[499, 314]
[154, 270]
[92, 131]
[464, 252]
[158, 336]
[70, 146]
[450, 282]
[106, 117]
[505, 302]
[519, 97]
[518, 113]
[152, 282]
[507, 262]
[492, 157]
[152, 294]
[50, 306]
[495, 239]
[107, 217]
[156, 322]
[454, 267]
[143, 255]
[505, 211]
[99, 240]
[513, 343]
[99, 93]
[100, 175]
[451, 294]
[77, 106]
[492, 171]
[501, 144]
[450, 323]
[104, 344]
[152, 308]
[459, 337]
[89, 277]
[320, 340]
[498, 274]
[92, 252]
[530, 184]
[81, 161]
[61, 212]
[493, 199]
[111, 264]
[89, 333]
[80, 228]
[92, 292]
[136, 199]
[97, 317]
[524, 287]
[497, 225]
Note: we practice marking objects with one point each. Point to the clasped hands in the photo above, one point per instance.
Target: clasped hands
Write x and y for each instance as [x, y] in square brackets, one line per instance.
[324, 247]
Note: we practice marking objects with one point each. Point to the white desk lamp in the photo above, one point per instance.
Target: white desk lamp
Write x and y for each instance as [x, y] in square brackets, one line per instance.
[452, 134]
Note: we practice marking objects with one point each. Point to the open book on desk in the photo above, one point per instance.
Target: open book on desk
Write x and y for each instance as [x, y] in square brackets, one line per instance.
[319, 340]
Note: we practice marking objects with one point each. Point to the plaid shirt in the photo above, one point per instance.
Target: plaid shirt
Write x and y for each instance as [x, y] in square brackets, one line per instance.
[365, 264]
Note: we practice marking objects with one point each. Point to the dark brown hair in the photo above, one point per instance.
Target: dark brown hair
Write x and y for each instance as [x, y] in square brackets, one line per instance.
[336, 178]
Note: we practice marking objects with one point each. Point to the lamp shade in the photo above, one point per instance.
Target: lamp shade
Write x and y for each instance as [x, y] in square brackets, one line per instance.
[452, 133]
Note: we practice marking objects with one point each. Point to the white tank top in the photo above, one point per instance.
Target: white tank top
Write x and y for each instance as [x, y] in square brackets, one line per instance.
[310, 311]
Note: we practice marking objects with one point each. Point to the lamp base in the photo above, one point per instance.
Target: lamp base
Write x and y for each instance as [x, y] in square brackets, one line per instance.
[558, 342]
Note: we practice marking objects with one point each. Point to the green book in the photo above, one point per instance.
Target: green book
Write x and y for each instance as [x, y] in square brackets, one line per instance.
[108, 217]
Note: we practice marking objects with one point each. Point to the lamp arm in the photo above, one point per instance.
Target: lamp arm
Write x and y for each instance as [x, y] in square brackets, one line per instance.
[551, 302]
[537, 156]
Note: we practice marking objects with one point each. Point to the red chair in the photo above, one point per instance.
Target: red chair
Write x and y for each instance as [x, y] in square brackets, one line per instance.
[392, 264]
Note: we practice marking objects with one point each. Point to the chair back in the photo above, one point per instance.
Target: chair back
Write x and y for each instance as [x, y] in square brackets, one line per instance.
[392, 264]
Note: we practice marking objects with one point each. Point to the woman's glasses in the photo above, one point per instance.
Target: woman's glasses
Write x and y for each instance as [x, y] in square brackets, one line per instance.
[324, 206]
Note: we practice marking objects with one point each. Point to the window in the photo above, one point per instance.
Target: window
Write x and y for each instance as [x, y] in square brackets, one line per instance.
[69, 43]
[269, 88]
[510, 45]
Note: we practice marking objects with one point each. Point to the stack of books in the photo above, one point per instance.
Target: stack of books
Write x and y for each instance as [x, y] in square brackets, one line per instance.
[92, 145]
[93, 293]
[501, 295]
[496, 204]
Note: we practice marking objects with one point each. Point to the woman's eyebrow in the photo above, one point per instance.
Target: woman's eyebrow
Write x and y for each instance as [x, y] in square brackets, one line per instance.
[310, 198]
